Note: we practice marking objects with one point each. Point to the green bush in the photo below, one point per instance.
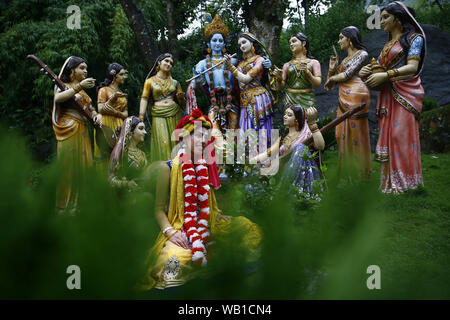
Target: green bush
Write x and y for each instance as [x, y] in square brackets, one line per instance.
[429, 104]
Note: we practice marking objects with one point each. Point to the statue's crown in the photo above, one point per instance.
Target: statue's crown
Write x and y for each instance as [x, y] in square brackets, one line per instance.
[216, 26]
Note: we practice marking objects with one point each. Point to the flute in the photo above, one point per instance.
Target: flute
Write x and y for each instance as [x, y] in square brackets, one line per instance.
[202, 73]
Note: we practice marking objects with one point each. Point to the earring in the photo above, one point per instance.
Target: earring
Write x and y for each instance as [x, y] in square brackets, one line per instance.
[157, 68]
[208, 50]
[252, 50]
[224, 50]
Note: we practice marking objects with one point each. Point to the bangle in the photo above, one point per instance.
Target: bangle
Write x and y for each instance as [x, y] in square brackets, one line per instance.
[313, 127]
[141, 116]
[167, 229]
[268, 152]
[77, 87]
[171, 234]
[233, 70]
[392, 73]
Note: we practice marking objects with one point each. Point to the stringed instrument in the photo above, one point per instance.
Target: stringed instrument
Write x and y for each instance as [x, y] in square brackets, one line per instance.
[105, 138]
[335, 122]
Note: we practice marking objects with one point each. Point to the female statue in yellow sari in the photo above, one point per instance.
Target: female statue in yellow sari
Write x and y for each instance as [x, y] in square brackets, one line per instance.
[70, 126]
[162, 90]
[186, 208]
[112, 104]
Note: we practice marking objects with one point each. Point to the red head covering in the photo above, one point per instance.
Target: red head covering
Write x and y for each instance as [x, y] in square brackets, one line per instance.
[187, 124]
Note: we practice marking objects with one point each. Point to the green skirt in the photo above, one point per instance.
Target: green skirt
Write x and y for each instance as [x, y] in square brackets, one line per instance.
[305, 99]
[164, 122]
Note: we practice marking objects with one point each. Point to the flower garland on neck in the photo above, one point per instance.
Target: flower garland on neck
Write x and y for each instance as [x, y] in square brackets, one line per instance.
[213, 90]
[196, 194]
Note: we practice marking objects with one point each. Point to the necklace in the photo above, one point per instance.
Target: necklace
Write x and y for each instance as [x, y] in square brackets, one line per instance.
[164, 84]
[289, 139]
[388, 47]
[114, 88]
[296, 63]
[137, 156]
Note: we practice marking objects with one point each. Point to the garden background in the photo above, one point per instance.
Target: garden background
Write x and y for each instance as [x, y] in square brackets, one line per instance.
[310, 250]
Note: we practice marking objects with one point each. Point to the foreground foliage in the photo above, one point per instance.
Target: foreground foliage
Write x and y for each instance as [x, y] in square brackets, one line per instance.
[321, 251]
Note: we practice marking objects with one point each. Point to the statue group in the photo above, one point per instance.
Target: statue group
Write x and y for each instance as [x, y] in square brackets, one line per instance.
[241, 98]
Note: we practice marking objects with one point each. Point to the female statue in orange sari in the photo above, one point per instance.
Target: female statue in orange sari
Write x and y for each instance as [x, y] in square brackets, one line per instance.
[352, 135]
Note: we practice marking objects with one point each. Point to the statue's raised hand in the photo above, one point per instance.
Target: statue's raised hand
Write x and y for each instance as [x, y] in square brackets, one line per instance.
[333, 63]
[311, 115]
[87, 83]
[227, 59]
[267, 63]
[365, 71]
[278, 73]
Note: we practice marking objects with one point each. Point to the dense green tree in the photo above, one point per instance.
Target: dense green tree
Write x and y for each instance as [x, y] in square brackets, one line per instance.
[40, 27]
[106, 35]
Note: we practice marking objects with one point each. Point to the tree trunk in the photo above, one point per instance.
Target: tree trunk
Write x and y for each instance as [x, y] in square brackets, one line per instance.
[265, 20]
[306, 5]
[172, 33]
[141, 29]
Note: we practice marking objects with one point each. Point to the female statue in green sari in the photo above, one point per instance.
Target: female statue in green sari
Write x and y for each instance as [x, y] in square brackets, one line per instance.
[162, 90]
[300, 75]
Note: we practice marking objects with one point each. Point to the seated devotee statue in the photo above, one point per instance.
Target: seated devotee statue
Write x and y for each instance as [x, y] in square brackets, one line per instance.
[296, 169]
[128, 162]
[186, 208]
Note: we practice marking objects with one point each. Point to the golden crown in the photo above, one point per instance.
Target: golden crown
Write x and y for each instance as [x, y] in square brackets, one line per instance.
[216, 26]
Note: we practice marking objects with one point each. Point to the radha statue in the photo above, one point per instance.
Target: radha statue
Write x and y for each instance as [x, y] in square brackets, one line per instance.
[256, 103]
[397, 75]
[162, 90]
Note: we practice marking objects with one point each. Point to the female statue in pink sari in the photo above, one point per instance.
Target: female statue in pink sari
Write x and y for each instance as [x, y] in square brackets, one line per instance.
[396, 75]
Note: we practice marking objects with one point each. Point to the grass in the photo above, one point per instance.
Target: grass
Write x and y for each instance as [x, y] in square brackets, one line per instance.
[411, 244]
[320, 252]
